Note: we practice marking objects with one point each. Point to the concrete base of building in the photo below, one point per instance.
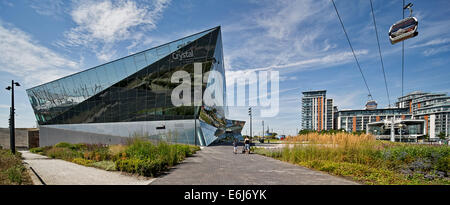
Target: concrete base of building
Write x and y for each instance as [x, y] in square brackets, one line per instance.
[51, 136]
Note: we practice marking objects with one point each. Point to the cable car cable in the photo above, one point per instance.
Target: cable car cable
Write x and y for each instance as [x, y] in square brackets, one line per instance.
[403, 48]
[351, 47]
[379, 51]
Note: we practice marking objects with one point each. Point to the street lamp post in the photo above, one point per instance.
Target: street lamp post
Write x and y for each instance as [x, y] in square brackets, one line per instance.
[263, 136]
[12, 130]
[195, 127]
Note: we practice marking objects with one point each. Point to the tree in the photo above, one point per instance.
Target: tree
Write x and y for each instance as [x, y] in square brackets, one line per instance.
[441, 136]
[273, 135]
[423, 137]
[426, 137]
[360, 132]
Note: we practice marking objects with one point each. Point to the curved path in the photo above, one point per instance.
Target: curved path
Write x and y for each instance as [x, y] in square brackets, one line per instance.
[217, 165]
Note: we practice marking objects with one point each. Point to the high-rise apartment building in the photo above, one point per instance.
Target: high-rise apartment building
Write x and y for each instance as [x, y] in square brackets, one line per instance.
[356, 120]
[317, 111]
[434, 108]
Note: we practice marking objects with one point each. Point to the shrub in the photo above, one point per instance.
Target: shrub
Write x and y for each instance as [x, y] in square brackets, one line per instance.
[15, 174]
[75, 147]
[106, 165]
[81, 161]
[170, 154]
[127, 165]
[144, 158]
[12, 170]
[367, 160]
[62, 153]
[443, 164]
[144, 167]
[37, 150]
[116, 149]
[138, 156]
[97, 155]
[64, 145]
[79, 147]
[140, 149]
[188, 150]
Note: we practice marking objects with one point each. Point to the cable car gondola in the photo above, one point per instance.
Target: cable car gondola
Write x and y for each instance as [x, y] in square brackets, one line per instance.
[404, 29]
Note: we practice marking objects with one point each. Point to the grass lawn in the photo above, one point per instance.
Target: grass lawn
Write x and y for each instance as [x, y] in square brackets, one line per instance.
[367, 160]
[138, 156]
[12, 171]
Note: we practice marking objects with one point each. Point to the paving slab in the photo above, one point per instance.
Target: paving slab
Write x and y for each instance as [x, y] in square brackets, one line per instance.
[217, 165]
[60, 172]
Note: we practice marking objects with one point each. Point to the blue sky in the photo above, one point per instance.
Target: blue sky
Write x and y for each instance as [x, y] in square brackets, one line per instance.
[43, 40]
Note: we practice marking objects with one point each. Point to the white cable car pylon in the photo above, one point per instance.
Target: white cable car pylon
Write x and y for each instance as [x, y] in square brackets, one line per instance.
[405, 28]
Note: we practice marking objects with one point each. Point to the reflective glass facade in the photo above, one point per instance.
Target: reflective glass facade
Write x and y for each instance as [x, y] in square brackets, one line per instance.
[137, 88]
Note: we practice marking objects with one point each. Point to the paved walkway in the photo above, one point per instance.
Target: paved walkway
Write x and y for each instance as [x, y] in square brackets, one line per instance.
[60, 172]
[217, 165]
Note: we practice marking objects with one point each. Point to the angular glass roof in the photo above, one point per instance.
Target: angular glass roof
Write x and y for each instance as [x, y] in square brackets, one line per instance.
[145, 58]
[73, 89]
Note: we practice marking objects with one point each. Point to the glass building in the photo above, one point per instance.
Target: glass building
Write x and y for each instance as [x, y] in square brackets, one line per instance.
[131, 96]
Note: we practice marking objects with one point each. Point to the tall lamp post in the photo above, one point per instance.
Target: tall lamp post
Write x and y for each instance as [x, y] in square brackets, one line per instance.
[195, 127]
[12, 130]
[263, 136]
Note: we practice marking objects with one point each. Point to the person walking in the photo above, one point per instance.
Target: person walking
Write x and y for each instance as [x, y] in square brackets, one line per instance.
[247, 145]
[235, 145]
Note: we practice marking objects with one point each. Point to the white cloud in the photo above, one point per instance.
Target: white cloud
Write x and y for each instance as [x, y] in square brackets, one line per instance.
[434, 51]
[101, 24]
[434, 45]
[24, 57]
[328, 60]
[348, 100]
[279, 33]
[52, 8]
[433, 42]
[7, 3]
[307, 64]
[283, 17]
